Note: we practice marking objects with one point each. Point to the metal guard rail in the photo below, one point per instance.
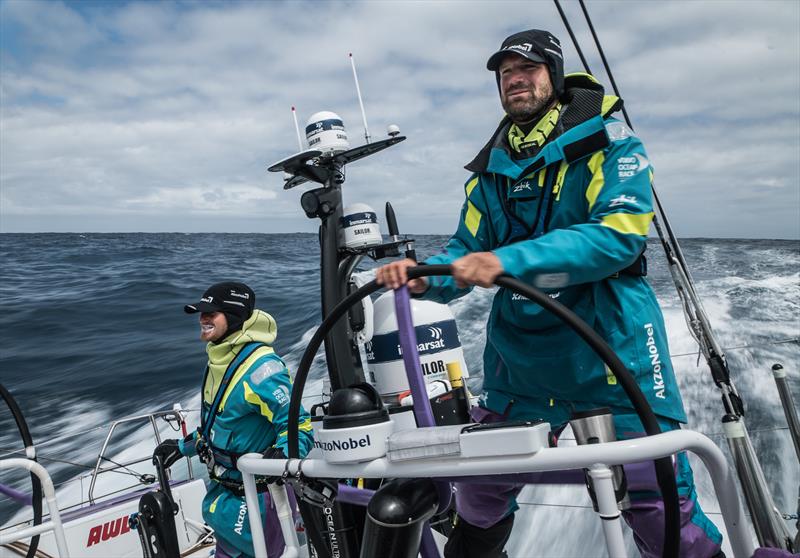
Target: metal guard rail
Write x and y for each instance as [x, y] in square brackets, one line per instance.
[546, 459]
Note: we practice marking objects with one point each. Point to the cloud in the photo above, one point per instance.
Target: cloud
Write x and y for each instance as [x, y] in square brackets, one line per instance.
[169, 113]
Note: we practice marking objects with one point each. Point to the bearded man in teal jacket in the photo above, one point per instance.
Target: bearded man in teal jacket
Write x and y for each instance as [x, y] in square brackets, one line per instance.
[245, 403]
[560, 198]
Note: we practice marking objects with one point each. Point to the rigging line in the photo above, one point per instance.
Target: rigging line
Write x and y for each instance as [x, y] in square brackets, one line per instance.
[674, 249]
[139, 476]
[603, 58]
[73, 463]
[572, 36]
[750, 346]
[749, 431]
[72, 435]
[577, 506]
[89, 467]
[714, 356]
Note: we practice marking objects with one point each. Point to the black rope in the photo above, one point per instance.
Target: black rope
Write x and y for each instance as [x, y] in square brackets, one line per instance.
[716, 362]
[27, 440]
[603, 58]
[664, 470]
[572, 36]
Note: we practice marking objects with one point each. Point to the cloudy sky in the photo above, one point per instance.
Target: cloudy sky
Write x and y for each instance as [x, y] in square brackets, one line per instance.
[156, 116]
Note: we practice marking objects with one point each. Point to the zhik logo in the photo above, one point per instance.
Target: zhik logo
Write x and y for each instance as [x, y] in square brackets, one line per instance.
[623, 199]
[526, 185]
[517, 296]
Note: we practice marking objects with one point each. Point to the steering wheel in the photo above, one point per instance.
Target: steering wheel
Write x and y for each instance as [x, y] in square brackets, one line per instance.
[36, 493]
[664, 469]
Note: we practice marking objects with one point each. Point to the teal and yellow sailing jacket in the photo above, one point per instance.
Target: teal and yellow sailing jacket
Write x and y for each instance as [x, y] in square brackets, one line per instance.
[567, 209]
[253, 411]
[252, 416]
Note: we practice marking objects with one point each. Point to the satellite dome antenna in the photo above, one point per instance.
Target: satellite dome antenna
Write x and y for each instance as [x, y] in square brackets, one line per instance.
[322, 161]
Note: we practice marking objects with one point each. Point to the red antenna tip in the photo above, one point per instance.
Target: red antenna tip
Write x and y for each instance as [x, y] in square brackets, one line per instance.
[292, 108]
[350, 54]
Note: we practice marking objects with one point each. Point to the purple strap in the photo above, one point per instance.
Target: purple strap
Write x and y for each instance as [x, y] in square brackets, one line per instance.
[540, 477]
[408, 344]
[352, 495]
[427, 547]
[15, 494]
[422, 405]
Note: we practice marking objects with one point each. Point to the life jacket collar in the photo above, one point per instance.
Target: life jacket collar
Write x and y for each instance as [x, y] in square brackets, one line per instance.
[584, 101]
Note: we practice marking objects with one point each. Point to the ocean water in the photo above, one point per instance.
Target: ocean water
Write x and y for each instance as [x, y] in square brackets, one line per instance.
[93, 329]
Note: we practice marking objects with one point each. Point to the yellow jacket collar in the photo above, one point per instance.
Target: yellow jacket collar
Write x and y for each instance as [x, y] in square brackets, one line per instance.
[260, 327]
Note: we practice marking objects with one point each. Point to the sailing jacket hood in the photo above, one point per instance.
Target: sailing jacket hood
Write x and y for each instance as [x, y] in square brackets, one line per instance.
[260, 327]
[566, 219]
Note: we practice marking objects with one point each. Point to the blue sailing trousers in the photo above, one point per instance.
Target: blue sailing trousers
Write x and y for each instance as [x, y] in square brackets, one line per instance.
[227, 513]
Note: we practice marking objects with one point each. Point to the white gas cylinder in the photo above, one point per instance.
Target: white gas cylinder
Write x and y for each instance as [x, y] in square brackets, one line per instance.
[438, 345]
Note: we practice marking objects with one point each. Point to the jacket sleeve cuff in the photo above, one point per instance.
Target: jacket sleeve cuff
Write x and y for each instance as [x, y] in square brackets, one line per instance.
[509, 259]
[186, 445]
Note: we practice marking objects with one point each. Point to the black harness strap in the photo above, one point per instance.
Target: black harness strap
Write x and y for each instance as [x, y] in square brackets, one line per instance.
[207, 419]
[205, 449]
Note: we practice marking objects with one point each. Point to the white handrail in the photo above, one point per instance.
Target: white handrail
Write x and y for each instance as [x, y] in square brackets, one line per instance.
[548, 459]
[54, 524]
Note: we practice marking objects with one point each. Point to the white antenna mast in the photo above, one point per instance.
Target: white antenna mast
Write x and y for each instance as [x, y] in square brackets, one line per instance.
[297, 129]
[360, 102]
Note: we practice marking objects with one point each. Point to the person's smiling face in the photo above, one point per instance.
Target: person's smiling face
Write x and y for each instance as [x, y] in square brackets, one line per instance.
[525, 87]
[213, 326]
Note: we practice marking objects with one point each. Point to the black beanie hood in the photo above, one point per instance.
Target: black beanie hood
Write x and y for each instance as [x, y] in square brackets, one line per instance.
[235, 300]
[235, 322]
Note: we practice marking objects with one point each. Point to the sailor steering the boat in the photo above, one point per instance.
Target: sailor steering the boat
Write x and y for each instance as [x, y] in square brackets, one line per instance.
[560, 197]
[245, 394]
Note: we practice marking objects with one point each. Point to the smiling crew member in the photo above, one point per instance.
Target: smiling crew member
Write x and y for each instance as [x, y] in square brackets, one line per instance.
[246, 393]
[560, 198]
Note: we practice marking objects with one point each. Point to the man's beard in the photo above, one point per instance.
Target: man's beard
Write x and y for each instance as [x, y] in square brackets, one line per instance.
[523, 111]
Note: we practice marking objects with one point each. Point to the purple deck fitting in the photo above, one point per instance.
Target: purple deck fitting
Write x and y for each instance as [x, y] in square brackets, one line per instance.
[14, 494]
[352, 495]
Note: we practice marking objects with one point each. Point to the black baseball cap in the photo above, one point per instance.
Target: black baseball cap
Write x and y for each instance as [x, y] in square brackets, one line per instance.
[236, 299]
[533, 44]
[536, 45]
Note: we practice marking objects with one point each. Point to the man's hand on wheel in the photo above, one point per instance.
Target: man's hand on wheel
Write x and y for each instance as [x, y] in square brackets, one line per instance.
[478, 268]
[395, 274]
